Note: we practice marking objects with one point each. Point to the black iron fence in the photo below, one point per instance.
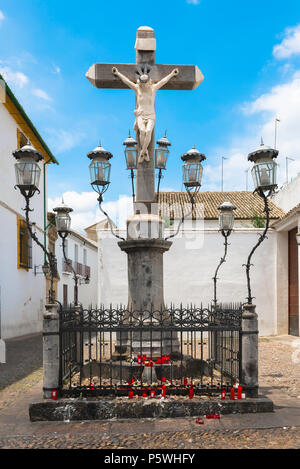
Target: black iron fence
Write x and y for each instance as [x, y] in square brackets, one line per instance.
[113, 351]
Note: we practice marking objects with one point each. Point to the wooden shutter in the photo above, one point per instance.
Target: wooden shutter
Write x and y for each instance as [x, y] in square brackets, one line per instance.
[24, 245]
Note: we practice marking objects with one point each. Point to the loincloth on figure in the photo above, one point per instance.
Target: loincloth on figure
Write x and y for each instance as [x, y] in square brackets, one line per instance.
[145, 116]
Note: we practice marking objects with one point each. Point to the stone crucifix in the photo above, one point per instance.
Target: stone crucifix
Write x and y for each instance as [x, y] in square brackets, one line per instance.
[145, 91]
[145, 78]
[145, 252]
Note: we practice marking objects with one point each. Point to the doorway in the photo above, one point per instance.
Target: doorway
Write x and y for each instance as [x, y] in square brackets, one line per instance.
[293, 284]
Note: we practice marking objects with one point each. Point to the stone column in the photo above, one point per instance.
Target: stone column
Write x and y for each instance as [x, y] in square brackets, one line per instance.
[50, 350]
[249, 349]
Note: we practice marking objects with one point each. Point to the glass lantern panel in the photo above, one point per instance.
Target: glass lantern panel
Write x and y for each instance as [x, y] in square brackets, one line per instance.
[264, 174]
[63, 222]
[130, 155]
[192, 174]
[161, 158]
[100, 174]
[27, 173]
[226, 221]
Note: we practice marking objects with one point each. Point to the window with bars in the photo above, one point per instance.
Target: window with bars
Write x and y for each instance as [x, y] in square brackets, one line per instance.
[24, 245]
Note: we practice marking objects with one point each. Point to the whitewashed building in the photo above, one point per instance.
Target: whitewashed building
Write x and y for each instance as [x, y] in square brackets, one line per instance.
[190, 264]
[82, 256]
[22, 284]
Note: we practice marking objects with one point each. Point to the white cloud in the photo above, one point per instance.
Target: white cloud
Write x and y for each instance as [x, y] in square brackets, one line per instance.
[290, 44]
[86, 209]
[2, 17]
[119, 210]
[55, 69]
[282, 101]
[41, 94]
[62, 140]
[18, 79]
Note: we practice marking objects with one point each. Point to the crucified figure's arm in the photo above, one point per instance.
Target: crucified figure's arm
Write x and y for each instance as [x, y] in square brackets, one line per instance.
[124, 79]
[165, 80]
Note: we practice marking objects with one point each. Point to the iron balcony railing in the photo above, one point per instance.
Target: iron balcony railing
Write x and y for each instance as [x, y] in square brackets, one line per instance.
[80, 269]
[87, 271]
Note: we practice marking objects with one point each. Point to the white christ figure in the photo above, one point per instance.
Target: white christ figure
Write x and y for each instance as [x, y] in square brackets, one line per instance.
[145, 91]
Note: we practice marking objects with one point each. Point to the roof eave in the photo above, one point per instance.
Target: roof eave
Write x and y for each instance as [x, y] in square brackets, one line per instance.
[29, 123]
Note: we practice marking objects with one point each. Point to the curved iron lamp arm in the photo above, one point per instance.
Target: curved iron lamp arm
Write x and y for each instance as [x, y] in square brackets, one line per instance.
[50, 256]
[158, 184]
[68, 262]
[100, 200]
[223, 259]
[261, 239]
[132, 184]
[192, 198]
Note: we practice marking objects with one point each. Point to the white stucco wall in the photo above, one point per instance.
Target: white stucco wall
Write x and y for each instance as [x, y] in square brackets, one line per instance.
[189, 267]
[22, 293]
[289, 195]
[87, 293]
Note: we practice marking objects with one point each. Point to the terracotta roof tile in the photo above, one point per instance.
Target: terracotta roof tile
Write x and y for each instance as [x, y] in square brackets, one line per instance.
[248, 204]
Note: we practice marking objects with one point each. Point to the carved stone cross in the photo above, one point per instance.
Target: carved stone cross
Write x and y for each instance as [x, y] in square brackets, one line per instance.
[187, 77]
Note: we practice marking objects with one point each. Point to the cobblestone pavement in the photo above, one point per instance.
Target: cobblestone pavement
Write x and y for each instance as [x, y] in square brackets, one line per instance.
[287, 438]
[23, 357]
[279, 380]
[279, 375]
[23, 368]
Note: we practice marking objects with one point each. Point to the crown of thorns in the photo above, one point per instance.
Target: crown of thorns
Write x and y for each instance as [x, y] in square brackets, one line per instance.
[144, 69]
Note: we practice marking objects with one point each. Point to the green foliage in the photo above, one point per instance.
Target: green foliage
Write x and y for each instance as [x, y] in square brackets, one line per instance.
[258, 221]
[168, 222]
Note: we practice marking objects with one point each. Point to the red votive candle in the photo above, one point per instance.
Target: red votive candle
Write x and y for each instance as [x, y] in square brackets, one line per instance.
[223, 394]
[239, 392]
[164, 380]
[232, 394]
[152, 393]
[139, 359]
[185, 381]
[164, 390]
[144, 358]
[130, 395]
[54, 394]
[132, 380]
[191, 392]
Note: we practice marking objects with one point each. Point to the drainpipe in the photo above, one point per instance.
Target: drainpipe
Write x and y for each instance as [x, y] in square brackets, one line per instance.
[45, 211]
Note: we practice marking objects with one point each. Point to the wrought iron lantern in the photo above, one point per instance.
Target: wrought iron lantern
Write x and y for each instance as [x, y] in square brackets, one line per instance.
[100, 169]
[46, 269]
[27, 169]
[192, 169]
[130, 152]
[226, 218]
[264, 171]
[63, 219]
[162, 152]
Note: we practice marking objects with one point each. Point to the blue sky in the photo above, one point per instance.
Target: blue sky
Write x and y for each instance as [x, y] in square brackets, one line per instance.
[249, 53]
